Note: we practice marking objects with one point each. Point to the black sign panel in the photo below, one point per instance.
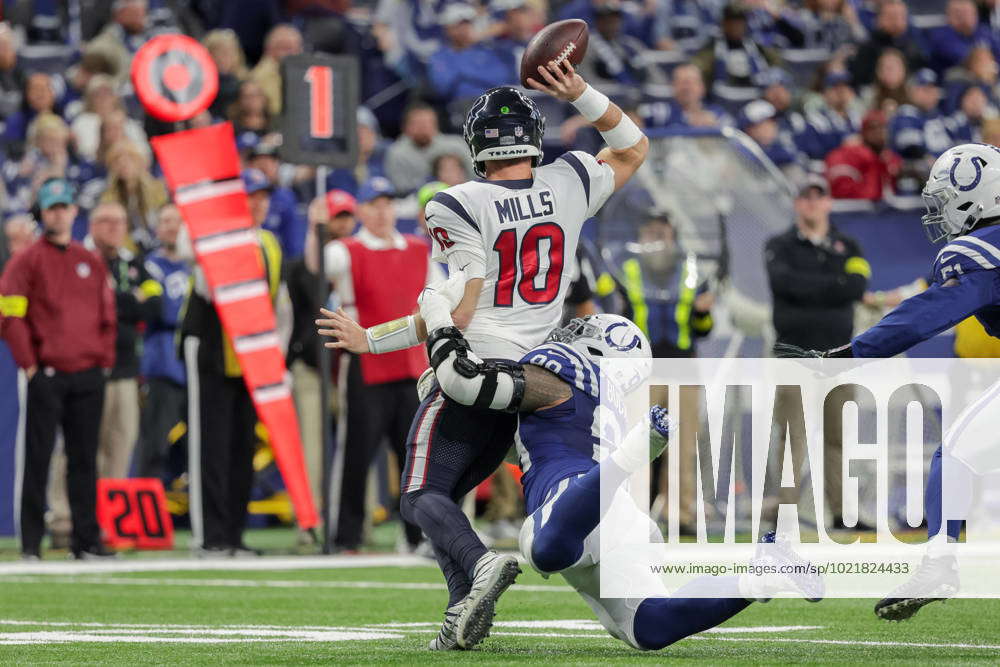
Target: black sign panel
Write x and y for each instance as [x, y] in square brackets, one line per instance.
[319, 112]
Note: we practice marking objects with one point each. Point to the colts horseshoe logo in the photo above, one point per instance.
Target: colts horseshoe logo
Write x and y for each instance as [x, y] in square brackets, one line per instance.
[622, 347]
[978, 163]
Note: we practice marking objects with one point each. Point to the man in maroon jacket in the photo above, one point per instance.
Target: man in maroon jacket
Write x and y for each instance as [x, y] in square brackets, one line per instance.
[59, 321]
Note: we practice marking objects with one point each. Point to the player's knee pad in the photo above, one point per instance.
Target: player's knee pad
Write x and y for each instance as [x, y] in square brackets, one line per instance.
[466, 379]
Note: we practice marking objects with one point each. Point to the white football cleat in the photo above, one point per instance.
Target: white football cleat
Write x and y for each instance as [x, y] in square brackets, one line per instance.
[446, 640]
[787, 572]
[493, 575]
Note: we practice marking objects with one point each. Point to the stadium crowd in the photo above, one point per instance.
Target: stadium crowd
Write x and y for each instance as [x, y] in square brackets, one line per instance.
[865, 92]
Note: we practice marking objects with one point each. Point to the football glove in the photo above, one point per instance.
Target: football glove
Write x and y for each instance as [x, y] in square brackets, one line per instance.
[789, 351]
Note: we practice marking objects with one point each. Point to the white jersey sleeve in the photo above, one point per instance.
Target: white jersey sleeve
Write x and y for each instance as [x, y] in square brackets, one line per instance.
[456, 236]
[597, 178]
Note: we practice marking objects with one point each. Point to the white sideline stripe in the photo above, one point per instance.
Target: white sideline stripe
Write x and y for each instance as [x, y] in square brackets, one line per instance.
[263, 583]
[194, 564]
[22, 638]
[847, 642]
[102, 633]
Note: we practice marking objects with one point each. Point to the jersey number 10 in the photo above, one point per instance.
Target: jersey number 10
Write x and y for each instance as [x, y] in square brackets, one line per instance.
[529, 252]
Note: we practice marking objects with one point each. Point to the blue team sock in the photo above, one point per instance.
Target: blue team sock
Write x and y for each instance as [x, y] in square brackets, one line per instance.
[573, 516]
[959, 481]
[660, 622]
[445, 525]
[458, 582]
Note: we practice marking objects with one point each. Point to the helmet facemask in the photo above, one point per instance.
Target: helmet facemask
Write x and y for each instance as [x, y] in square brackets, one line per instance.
[943, 222]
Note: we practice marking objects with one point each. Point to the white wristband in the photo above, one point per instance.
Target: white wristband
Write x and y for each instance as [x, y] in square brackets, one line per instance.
[623, 135]
[391, 336]
[591, 104]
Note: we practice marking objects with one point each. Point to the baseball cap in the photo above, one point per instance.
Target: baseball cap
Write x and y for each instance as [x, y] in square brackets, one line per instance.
[56, 191]
[254, 180]
[375, 187]
[836, 78]
[813, 181]
[507, 5]
[924, 77]
[456, 13]
[874, 117]
[755, 112]
[247, 141]
[605, 7]
[734, 11]
[426, 193]
[339, 201]
[775, 76]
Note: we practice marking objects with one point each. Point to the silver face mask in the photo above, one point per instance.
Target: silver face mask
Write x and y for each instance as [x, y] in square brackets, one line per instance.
[575, 329]
[935, 225]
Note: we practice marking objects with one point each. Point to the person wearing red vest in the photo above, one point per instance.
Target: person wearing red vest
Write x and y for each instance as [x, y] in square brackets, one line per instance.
[377, 275]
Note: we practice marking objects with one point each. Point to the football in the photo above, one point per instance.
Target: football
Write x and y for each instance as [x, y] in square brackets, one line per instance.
[557, 41]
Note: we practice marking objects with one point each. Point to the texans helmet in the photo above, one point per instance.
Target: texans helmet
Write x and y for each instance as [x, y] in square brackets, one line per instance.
[503, 124]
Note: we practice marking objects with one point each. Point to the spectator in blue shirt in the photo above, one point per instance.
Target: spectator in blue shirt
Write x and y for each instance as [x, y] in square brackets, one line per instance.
[830, 24]
[980, 69]
[973, 109]
[284, 219]
[11, 74]
[835, 120]
[49, 154]
[683, 24]
[918, 131]
[39, 97]
[371, 158]
[950, 44]
[891, 30]
[634, 24]
[772, 25]
[734, 62]
[166, 396]
[778, 86]
[757, 120]
[463, 69]
[519, 23]
[688, 107]
[614, 56]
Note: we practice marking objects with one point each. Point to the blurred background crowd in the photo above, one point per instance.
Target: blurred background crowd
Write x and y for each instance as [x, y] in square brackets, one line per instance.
[853, 99]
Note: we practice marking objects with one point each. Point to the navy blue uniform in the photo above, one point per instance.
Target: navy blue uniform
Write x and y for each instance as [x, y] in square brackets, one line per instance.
[562, 441]
[966, 281]
[915, 133]
[560, 449]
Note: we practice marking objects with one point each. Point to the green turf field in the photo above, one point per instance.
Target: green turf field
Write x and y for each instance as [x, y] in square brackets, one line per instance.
[275, 612]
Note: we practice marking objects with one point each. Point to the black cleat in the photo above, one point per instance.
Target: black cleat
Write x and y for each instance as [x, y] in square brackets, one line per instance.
[98, 552]
[935, 580]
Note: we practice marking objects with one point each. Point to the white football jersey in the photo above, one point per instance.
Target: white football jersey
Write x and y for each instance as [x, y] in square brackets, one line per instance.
[521, 238]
